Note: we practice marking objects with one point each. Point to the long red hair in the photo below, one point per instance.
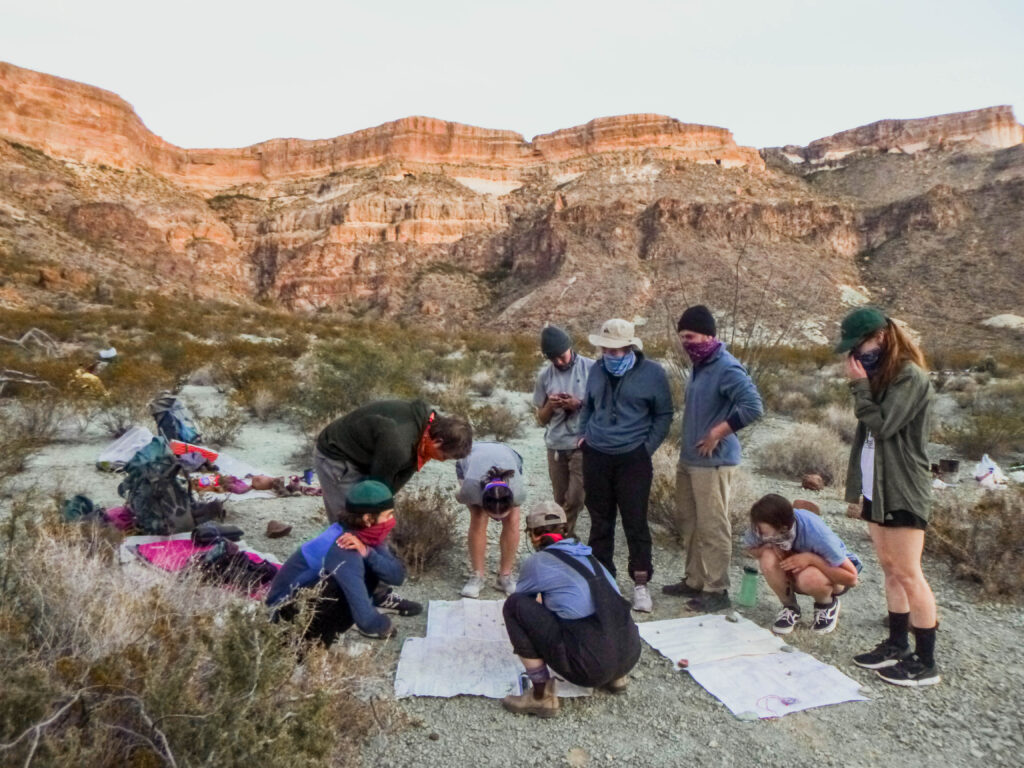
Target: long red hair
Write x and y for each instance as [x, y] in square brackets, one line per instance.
[898, 349]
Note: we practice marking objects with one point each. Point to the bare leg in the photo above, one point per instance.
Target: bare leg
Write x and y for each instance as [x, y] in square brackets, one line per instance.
[477, 539]
[778, 579]
[811, 581]
[905, 546]
[895, 595]
[509, 541]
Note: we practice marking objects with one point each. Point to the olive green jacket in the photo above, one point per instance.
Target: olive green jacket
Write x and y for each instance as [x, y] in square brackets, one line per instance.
[900, 420]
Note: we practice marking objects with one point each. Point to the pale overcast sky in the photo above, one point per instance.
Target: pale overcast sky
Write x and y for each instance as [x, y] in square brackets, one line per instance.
[228, 74]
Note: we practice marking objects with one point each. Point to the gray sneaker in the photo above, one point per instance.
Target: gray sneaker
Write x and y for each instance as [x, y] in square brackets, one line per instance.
[642, 599]
[506, 583]
[473, 586]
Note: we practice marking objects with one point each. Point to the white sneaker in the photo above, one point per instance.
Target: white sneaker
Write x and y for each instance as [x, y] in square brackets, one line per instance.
[473, 586]
[507, 583]
[642, 599]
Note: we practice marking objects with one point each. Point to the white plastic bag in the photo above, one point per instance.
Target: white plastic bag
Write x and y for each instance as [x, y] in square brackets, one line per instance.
[988, 474]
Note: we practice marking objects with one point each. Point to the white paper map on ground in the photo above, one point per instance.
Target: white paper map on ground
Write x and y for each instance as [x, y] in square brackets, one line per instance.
[466, 652]
[707, 638]
[742, 665]
[775, 684]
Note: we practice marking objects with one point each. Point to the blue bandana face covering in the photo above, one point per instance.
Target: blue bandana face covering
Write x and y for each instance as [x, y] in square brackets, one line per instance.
[870, 361]
[617, 366]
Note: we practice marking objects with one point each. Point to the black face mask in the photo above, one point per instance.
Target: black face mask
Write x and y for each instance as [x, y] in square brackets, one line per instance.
[870, 361]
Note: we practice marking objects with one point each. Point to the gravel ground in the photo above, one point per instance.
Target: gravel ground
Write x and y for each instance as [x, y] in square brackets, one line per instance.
[971, 718]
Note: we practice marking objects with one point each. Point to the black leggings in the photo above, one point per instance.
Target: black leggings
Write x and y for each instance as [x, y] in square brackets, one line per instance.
[576, 649]
[331, 614]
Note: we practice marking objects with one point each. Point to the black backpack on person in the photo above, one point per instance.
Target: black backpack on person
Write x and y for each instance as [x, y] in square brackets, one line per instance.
[611, 609]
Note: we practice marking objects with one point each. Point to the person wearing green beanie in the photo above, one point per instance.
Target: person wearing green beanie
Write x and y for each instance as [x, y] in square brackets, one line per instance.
[343, 567]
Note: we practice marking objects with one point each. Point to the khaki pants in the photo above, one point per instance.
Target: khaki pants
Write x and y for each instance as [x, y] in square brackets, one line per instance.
[565, 468]
[702, 501]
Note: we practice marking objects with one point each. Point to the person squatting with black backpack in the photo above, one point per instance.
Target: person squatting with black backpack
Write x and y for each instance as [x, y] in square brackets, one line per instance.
[581, 627]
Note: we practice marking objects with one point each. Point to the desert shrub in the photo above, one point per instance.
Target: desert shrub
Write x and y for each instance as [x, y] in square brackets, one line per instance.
[482, 383]
[497, 421]
[131, 384]
[425, 530]
[452, 397]
[116, 666]
[994, 422]
[661, 506]
[791, 403]
[840, 419]
[983, 538]
[807, 449]
[222, 428]
[38, 416]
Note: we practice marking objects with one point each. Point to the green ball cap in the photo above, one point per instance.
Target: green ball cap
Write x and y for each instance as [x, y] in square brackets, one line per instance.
[369, 496]
[858, 325]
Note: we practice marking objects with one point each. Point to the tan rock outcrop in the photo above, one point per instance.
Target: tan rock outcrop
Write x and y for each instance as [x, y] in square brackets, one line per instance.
[80, 122]
[992, 128]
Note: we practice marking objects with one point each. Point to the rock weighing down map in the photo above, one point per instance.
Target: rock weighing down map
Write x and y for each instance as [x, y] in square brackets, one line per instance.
[466, 652]
[748, 668]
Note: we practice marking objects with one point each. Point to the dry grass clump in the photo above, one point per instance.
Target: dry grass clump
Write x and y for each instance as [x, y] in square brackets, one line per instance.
[222, 428]
[425, 530]
[984, 539]
[807, 449]
[482, 383]
[994, 422]
[119, 666]
[841, 419]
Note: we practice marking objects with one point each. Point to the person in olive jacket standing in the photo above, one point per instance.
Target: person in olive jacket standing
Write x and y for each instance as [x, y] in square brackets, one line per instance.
[889, 469]
[627, 412]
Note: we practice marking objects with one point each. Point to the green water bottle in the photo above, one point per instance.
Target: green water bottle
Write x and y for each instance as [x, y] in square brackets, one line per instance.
[748, 587]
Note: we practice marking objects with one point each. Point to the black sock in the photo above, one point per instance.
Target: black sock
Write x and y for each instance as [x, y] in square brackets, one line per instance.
[899, 625]
[825, 605]
[924, 644]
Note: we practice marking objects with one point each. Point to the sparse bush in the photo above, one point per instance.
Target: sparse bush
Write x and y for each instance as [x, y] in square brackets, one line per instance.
[453, 398]
[993, 424]
[497, 421]
[792, 402]
[425, 529]
[808, 449]
[112, 666]
[840, 419]
[661, 506]
[482, 383]
[223, 428]
[984, 539]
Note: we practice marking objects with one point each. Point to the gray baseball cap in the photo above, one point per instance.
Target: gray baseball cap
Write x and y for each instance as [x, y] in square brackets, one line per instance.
[545, 513]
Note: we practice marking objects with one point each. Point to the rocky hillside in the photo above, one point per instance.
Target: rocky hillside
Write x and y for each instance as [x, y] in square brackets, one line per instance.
[448, 224]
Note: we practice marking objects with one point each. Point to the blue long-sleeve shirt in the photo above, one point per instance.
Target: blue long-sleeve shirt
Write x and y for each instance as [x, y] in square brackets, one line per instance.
[565, 592]
[720, 389]
[637, 410]
[322, 557]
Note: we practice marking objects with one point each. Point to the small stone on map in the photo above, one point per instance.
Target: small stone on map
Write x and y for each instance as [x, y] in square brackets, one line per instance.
[787, 648]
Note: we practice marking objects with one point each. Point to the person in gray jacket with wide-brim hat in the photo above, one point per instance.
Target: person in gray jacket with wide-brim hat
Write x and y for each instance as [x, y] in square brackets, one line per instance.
[627, 411]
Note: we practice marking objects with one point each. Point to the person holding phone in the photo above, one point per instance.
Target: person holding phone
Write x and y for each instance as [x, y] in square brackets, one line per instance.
[558, 398]
[889, 475]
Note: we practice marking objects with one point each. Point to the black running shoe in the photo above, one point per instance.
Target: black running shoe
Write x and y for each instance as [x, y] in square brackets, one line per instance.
[709, 602]
[391, 601]
[884, 655]
[826, 618]
[681, 589]
[911, 672]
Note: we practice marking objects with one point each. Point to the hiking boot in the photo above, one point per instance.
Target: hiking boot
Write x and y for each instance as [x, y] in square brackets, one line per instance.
[642, 599]
[618, 685]
[826, 618]
[276, 529]
[681, 589]
[787, 620]
[391, 601]
[709, 602]
[885, 654]
[526, 704]
[473, 586]
[507, 583]
[911, 672]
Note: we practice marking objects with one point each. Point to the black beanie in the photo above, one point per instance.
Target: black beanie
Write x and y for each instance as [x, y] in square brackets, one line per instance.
[554, 341]
[697, 319]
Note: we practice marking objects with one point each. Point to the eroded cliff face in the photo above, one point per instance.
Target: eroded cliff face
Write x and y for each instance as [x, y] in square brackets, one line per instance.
[446, 224]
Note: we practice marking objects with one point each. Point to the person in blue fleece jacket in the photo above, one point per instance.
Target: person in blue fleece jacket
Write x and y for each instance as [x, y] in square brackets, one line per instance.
[566, 614]
[345, 564]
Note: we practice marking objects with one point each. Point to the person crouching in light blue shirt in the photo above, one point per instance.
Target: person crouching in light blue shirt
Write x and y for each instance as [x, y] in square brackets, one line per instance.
[800, 554]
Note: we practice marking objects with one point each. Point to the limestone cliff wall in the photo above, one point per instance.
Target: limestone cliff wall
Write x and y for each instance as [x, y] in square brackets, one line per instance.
[80, 122]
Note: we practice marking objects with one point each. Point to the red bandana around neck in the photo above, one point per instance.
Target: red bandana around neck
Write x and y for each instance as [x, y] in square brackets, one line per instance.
[425, 444]
[374, 535]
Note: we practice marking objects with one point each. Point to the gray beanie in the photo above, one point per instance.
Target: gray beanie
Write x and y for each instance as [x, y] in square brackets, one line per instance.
[554, 341]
